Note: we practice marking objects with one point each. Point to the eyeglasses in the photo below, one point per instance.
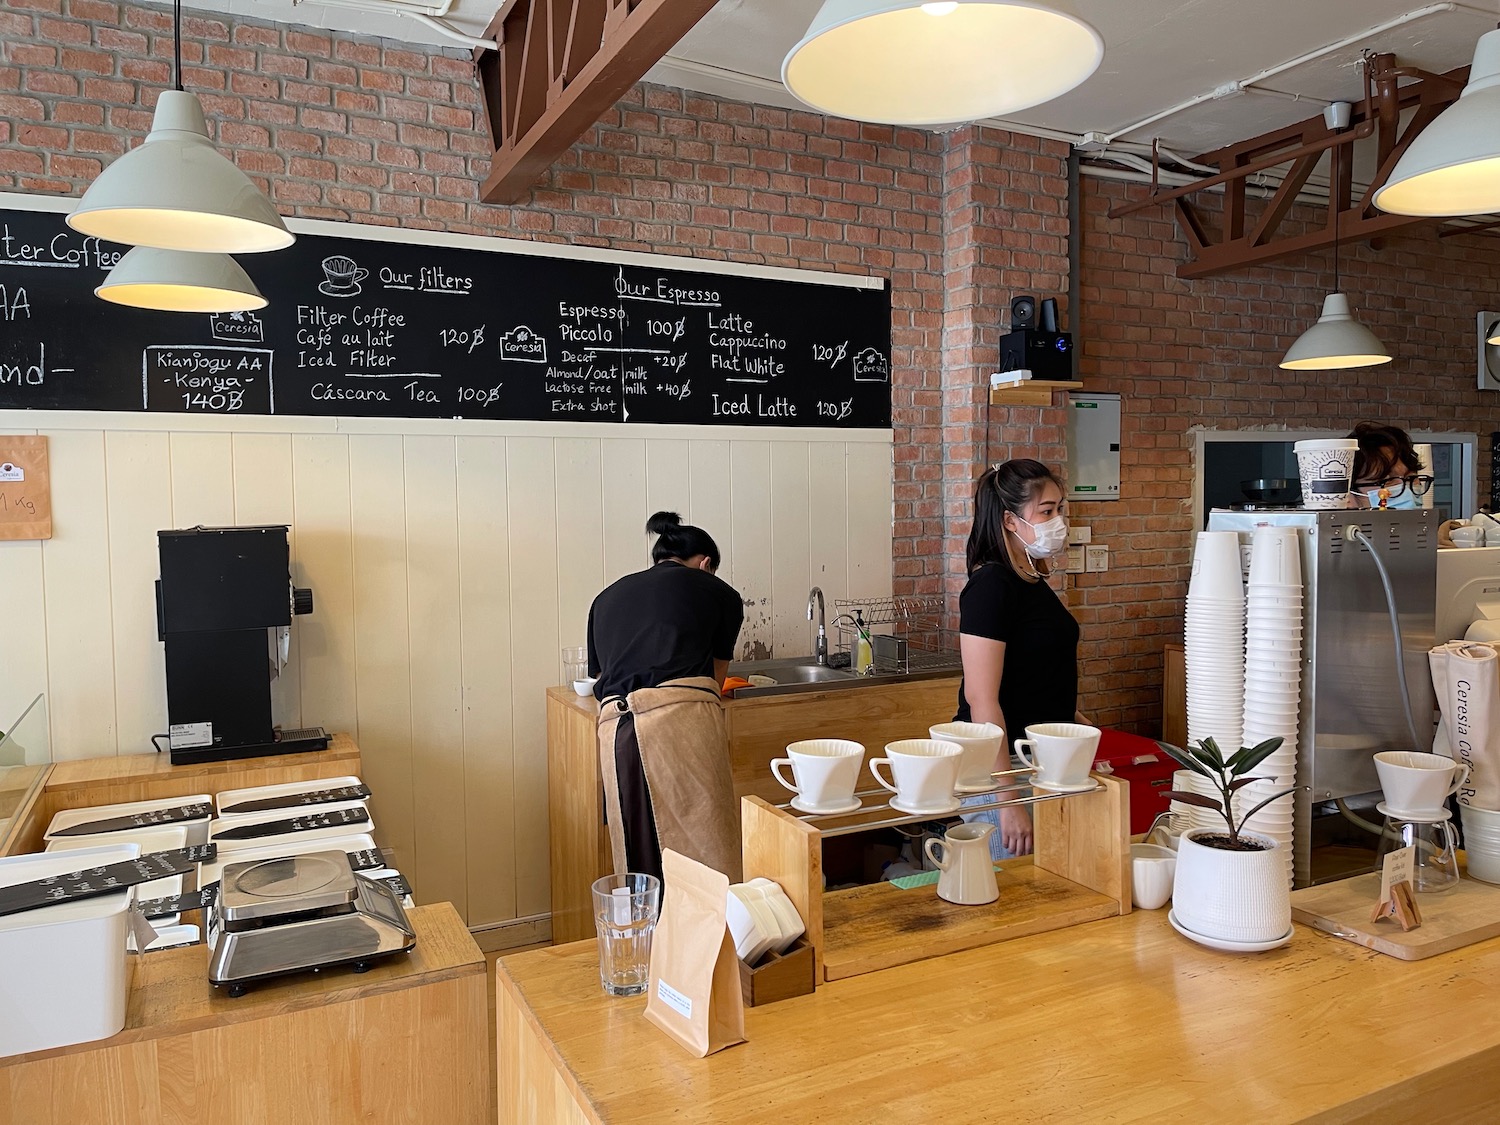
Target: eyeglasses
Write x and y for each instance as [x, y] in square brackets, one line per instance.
[1418, 483]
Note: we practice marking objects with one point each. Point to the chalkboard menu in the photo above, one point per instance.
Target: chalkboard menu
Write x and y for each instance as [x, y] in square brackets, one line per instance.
[423, 328]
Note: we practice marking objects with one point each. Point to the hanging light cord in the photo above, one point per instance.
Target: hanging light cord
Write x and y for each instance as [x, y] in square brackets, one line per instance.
[1335, 201]
[177, 45]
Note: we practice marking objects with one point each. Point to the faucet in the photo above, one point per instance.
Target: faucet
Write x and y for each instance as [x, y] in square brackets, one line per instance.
[816, 594]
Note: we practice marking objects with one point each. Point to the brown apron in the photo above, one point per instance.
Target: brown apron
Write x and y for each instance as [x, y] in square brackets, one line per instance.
[684, 751]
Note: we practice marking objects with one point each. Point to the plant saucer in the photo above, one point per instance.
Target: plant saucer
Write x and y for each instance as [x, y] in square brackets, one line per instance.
[1225, 944]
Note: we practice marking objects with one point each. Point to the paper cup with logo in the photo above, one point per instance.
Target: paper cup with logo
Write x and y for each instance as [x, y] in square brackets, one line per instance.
[1326, 466]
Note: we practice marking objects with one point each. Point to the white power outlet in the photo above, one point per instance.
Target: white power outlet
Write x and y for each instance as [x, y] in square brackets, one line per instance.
[1080, 533]
[1096, 557]
[1075, 560]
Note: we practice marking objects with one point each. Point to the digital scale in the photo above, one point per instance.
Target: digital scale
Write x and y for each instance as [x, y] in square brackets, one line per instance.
[300, 914]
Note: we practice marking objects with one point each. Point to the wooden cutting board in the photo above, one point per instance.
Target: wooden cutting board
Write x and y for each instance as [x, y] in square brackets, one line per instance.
[1467, 914]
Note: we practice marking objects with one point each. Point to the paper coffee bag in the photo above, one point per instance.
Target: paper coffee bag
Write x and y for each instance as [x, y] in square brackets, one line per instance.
[694, 995]
[1466, 680]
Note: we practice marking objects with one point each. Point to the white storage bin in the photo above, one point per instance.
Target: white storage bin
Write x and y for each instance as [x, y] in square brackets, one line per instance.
[295, 838]
[166, 838]
[197, 829]
[62, 968]
[290, 790]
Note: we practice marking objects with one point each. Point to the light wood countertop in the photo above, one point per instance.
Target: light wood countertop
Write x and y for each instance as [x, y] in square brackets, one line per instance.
[1121, 1021]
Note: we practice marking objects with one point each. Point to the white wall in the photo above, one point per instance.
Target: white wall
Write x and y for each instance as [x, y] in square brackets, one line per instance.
[450, 562]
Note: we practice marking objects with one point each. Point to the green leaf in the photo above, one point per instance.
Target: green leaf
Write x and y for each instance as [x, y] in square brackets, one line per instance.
[1257, 754]
[1195, 799]
[1186, 759]
[1210, 751]
[1262, 805]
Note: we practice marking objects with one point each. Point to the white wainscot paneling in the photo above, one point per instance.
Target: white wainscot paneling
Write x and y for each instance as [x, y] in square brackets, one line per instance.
[449, 563]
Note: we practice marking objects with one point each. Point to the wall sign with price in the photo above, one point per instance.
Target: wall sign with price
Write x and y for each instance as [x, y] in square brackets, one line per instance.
[25, 494]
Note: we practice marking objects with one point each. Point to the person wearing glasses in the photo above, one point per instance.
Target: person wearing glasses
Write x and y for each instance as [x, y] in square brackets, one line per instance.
[1018, 641]
[1388, 473]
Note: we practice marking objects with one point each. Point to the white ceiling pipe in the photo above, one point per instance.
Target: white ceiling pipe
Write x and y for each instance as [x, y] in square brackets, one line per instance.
[1311, 56]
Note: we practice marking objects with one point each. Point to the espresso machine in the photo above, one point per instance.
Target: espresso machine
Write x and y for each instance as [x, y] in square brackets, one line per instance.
[1352, 700]
[223, 604]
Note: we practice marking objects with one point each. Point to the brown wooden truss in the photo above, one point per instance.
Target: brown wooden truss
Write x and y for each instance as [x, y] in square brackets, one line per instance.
[560, 66]
[1242, 239]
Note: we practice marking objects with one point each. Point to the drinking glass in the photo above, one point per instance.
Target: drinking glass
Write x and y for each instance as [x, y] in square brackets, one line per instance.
[625, 912]
[575, 662]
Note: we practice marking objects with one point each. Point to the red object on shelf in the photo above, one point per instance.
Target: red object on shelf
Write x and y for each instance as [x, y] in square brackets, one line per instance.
[1142, 762]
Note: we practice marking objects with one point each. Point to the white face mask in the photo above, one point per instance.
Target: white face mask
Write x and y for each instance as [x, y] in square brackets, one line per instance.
[1051, 536]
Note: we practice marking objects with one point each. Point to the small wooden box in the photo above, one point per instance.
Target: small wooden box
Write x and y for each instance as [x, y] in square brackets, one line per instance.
[779, 976]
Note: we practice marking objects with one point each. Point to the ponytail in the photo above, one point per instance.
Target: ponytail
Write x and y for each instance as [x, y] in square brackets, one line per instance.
[678, 540]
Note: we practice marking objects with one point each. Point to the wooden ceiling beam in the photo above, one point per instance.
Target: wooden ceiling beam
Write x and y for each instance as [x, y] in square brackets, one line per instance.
[560, 66]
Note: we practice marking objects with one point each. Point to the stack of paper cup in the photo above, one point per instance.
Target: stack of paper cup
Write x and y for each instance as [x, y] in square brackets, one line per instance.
[1215, 642]
[1273, 673]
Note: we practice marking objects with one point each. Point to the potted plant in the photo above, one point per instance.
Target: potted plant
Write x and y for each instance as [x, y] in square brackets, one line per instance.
[1231, 885]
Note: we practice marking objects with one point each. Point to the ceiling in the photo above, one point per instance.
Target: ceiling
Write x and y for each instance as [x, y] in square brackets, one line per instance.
[1160, 55]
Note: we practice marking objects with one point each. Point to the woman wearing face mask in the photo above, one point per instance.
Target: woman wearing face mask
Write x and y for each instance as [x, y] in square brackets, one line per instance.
[1387, 460]
[1018, 641]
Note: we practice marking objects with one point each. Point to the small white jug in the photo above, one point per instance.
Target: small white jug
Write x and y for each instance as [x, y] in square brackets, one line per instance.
[968, 872]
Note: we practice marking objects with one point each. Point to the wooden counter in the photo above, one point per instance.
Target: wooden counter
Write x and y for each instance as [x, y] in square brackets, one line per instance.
[760, 727]
[405, 1041]
[1121, 1021]
[148, 777]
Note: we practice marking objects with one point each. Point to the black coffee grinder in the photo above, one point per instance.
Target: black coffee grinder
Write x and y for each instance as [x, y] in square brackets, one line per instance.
[223, 595]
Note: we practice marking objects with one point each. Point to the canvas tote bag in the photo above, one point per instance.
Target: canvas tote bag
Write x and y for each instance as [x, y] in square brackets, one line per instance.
[1466, 680]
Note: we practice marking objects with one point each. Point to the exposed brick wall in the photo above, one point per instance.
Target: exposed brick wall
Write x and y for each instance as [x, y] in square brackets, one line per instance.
[352, 128]
[1204, 353]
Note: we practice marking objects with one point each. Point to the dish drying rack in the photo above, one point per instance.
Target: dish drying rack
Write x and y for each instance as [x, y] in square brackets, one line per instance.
[906, 633]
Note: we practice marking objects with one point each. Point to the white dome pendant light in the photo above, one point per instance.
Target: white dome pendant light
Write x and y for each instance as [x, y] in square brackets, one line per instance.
[176, 191]
[1337, 340]
[178, 281]
[1453, 165]
[905, 62]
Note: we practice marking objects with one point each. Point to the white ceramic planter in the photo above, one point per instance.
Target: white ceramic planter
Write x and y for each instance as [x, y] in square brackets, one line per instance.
[1231, 896]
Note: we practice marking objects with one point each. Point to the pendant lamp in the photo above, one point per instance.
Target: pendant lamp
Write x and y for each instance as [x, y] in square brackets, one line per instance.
[905, 62]
[1453, 165]
[176, 191]
[1337, 340]
[179, 281]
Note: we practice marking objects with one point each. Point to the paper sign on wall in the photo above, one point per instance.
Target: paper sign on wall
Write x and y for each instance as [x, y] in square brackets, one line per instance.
[25, 489]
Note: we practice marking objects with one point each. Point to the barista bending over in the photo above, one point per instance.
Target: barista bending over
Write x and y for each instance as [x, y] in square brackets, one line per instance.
[1018, 641]
[660, 642]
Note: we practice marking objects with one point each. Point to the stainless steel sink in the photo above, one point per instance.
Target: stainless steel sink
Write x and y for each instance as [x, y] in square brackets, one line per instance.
[797, 674]
[804, 673]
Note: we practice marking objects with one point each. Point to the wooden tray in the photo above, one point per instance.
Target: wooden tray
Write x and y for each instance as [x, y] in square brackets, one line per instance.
[1467, 914]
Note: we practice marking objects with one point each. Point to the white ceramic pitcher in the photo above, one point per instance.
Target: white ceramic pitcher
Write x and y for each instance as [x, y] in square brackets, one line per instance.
[968, 872]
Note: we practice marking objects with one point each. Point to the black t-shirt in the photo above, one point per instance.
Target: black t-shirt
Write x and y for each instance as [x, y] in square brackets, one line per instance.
[661, 624]
[1039, 683]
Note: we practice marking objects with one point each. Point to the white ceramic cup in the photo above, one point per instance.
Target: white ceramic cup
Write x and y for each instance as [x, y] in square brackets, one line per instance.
[923, 771]
[1417, 783]
[981, 744]
[1152, 869]
[1061, 753]
[824, 772]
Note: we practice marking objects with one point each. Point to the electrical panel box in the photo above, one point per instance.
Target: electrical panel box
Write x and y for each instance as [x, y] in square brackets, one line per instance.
[1093, 447]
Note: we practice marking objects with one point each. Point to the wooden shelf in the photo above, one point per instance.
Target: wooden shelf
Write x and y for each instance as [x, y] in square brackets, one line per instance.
[1033, 392]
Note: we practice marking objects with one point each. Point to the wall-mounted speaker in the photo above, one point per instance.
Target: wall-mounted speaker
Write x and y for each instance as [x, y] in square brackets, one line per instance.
[1022, 312]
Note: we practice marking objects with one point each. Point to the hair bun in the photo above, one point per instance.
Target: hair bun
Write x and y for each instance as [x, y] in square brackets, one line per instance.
[663, 522]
